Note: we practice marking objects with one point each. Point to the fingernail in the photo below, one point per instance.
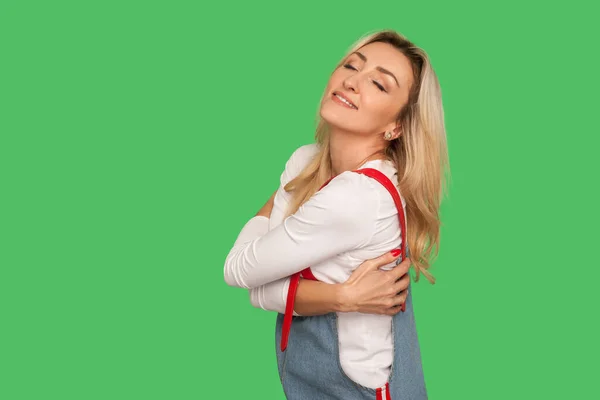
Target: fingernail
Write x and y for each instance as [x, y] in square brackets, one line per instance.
[396, 252]
[403, 307]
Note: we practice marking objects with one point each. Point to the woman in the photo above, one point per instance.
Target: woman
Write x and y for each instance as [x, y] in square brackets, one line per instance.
[377, 164]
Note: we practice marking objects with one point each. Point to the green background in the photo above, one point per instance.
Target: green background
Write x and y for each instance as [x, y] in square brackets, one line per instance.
[137, 138]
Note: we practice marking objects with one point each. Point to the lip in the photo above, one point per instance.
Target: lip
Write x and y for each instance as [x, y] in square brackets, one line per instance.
[334, 97]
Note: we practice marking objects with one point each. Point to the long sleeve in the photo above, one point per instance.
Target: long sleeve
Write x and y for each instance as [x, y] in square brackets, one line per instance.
[272, 296]
[338, 218]
[255, 227]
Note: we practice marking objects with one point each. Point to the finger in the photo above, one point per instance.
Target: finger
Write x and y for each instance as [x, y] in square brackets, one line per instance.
[402, 283]
[401, 268]
[399, 299]
[384, 259]
[392, 310]
[387, 258]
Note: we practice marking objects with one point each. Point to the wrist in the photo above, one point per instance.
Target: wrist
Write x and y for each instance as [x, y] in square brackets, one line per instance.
[343, 299]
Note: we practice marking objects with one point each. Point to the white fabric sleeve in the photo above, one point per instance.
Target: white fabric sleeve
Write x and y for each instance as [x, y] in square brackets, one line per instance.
[272, 296]
[255, 227]
[336, 219]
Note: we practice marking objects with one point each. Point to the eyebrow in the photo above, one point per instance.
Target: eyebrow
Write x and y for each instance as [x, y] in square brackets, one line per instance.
[380, 69]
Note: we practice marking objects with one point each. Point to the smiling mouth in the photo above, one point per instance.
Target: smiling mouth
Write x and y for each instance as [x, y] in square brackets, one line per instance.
[343, 101]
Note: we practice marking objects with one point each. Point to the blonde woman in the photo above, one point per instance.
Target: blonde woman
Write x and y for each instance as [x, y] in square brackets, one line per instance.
[371, 184]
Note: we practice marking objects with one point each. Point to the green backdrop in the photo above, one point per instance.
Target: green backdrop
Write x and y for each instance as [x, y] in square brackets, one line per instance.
[137, 138]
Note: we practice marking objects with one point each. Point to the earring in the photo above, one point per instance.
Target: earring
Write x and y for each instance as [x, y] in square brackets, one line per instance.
[388, 135]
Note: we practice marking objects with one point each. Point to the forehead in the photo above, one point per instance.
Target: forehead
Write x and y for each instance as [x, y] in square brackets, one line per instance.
[385, 55]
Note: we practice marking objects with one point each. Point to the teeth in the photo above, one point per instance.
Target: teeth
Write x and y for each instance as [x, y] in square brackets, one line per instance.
[345, 101]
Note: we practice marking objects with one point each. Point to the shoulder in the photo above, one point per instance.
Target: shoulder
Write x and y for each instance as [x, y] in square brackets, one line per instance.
[347, 204]
[299, 159]
[353, 194]
[363, 194]
[350, 182]
[389, 171]
[304, 154]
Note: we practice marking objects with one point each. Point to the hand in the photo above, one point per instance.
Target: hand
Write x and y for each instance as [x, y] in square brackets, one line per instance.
[265, 211]
[373, 291]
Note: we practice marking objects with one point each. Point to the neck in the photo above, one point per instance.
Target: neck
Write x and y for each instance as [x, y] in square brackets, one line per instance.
[348, 151]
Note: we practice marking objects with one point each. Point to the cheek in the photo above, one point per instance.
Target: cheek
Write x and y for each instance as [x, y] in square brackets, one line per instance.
[384, 109]
[335, 80]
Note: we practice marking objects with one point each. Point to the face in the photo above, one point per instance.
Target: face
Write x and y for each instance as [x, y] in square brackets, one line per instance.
[375, 80]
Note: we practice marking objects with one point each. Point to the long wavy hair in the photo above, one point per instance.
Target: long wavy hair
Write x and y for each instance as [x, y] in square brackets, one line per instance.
[420, 154]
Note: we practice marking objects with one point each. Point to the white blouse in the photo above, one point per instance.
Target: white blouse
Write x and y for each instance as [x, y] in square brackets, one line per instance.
[350, 220]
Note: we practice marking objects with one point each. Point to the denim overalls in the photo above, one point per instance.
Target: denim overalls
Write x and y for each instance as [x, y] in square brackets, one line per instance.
[310, 369]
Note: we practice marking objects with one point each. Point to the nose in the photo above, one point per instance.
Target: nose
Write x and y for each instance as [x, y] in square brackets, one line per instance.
[351, 83]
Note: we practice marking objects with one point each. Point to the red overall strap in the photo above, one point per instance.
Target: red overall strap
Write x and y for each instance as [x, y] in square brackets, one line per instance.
[291, 297]
[307, 273]
[384, 180]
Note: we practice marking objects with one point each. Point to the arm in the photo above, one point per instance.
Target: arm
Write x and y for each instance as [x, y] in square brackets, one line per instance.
[369, 290]
[336, 219]
[318, 298]
[312, 297]
[272, 296]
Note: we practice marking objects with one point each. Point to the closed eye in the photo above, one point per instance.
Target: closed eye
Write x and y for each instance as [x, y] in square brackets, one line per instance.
[379, 85]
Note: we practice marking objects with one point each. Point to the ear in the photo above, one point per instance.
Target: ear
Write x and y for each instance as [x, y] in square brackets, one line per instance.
[396, 131]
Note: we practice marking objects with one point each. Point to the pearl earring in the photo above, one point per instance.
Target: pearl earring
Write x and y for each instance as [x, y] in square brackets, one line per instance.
[388, 135]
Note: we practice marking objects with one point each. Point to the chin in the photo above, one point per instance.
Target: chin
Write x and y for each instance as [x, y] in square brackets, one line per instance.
[335, 116]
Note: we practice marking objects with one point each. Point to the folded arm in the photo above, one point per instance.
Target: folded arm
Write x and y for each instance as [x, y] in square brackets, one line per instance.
[336, 219]
[272, 296]
[312, 297]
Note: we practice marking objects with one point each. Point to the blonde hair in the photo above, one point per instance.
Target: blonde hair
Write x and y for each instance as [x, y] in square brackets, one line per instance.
[420, 154]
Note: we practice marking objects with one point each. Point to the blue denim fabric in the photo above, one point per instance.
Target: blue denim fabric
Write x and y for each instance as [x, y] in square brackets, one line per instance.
[310, 369]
